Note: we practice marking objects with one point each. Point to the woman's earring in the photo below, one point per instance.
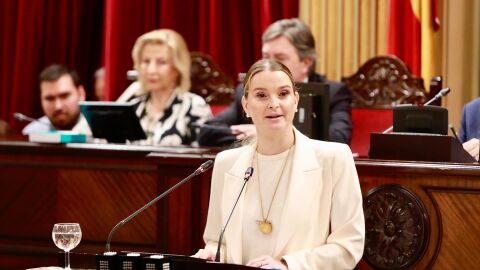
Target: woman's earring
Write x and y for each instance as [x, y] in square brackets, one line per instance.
[247, 115]
[296, 109]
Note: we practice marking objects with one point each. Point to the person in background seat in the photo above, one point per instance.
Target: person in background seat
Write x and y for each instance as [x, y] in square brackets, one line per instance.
[167, 110]
[60, 92]
[470, 128]
[290, 42]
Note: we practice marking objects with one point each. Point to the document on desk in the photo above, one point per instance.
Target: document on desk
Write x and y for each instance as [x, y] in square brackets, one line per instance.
[57, 137]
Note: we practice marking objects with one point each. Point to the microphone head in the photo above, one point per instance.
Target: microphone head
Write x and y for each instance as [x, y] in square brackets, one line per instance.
[18, 116]
[444, 91]
[205, 166]
[248, 173]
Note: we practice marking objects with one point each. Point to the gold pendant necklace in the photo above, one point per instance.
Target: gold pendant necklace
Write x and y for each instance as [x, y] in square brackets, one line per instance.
[265, 225]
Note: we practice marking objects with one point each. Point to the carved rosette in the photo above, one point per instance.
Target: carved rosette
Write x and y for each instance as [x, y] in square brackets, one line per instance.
[383, 82]
[396, 226]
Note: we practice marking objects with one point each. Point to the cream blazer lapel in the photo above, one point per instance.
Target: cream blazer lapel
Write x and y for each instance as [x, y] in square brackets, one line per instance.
[232, 185]
[305, 184]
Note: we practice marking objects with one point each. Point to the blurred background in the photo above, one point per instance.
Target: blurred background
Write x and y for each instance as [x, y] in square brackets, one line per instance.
[433, 37]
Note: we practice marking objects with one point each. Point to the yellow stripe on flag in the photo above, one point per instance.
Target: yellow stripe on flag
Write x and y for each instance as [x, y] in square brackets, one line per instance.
[423, 11]
[428, 46]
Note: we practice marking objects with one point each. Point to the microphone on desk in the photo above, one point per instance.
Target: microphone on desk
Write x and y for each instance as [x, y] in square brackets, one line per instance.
[445, 91]
[442, 93]
[213, 127]
[204, 167]
[23, 117]
[454, 132]
[248, 174]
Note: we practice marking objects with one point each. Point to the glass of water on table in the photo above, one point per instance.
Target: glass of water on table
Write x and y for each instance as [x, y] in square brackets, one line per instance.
[66, 236]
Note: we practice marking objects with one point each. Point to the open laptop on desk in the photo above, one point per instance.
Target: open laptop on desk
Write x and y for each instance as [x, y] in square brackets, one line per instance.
[115, 122]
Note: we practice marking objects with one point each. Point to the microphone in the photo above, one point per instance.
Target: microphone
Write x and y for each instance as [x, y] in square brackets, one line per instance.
[440, 94]
[454, 132]
[204, 167]
[248, 174]
[23, 117]
[212, 127]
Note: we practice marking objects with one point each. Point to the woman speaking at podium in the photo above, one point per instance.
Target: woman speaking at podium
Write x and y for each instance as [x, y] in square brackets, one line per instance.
[302, 207]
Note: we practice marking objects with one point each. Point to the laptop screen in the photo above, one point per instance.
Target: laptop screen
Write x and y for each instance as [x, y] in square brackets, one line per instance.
[116, 122]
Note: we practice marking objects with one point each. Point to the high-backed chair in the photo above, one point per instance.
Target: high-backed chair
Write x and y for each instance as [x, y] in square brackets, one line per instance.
[210, 82]
[378, 85]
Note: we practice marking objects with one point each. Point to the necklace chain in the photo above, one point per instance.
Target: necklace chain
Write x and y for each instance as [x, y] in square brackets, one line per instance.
[265, 218]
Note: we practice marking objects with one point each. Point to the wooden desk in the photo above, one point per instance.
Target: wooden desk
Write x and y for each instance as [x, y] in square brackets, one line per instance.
[99, 185]
[451, 196]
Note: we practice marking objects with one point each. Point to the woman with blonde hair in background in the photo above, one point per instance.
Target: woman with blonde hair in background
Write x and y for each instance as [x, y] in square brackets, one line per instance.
[168, 112]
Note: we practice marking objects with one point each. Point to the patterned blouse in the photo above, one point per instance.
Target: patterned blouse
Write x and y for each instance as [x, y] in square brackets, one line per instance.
[180, 122]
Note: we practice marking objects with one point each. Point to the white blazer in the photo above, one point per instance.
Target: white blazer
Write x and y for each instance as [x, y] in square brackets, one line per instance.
[322, 223]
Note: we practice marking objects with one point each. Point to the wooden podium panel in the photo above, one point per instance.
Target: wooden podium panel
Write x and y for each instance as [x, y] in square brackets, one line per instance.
[451, 196]
[99, 185]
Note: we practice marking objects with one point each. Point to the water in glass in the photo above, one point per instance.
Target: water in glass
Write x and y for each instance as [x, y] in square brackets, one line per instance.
[66, 236]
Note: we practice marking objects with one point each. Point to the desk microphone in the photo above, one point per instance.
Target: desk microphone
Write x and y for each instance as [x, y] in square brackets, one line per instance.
[248, 174]
[454, 132]
[213, 127]
[23, 117]
[440, 94]
[204, 167]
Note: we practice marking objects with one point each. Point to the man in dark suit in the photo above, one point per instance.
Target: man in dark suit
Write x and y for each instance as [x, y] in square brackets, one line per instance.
[470, 128]
[290, 42]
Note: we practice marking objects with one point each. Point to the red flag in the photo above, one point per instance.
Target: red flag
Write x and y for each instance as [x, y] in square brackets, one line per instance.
[411, 28]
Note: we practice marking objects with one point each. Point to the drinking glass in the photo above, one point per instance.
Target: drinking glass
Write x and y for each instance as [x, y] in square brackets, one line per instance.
[66, 236]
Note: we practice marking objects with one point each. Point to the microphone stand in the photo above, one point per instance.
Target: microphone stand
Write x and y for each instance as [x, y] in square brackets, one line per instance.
[205, 166]
[23, 117]
[440, 94]
[248, 174]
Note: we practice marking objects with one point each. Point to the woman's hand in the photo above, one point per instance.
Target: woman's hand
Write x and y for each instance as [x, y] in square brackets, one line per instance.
[204, 254]
[472, 147]
[267, 262]
[243, 131]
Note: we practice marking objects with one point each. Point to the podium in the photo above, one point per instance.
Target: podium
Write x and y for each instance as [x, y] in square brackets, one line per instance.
[143, 261]
[418, 147]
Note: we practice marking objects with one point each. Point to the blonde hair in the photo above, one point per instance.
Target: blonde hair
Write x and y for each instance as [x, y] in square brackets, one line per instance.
[180, 54]
[263, 65]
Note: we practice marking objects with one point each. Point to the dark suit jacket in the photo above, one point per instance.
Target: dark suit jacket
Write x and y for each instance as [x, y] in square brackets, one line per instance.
[470, 125]
[340, 116]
